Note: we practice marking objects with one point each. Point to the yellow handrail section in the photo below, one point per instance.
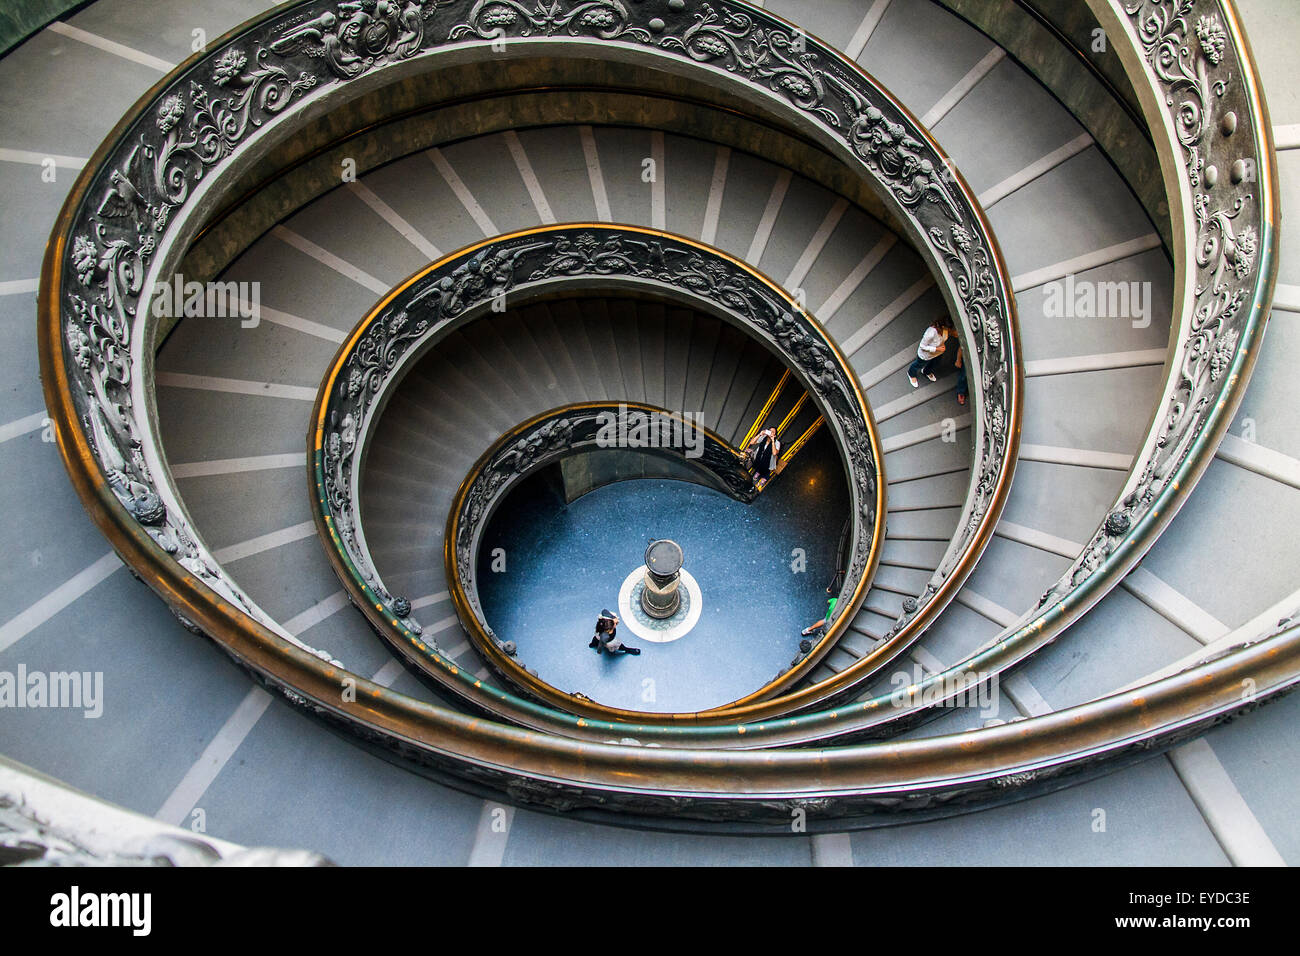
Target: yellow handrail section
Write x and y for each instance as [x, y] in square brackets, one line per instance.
[785, 422]
[801, 441]
[108, 507]
[765, 410]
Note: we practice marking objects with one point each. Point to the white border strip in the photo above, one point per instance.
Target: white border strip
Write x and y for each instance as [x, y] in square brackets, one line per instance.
[329, 260]
[236, 466]
[594, 174]
[856, 277]
[394, 219]
[658, 197]
[110, 46]
[995, 194]
[305, 326]
[862, 36]
[963, 86]
[19, 286]
[23, 426]
[461, 191]
[1090, 260]
[1105, 361]
[886, 315]
[36, 158]
[1174, 607]
[22, 624]
[1260, 460]
[264, 542]
[235, 386]
[529, 176]
[816, 244]
[215, 756]
[1226, 812]
[1286, 136]
[1078, 457]
[1286, 297]
[717, 187]
[763, 231]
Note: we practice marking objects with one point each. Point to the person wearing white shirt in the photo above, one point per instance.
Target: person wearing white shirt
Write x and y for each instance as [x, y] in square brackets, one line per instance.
[933, 343]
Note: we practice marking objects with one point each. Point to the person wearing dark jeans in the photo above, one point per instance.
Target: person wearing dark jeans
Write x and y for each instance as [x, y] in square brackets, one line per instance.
[763, 454]
[833, 590]
[606, 638]
[921, 367]
[932, 345]
[961, 379]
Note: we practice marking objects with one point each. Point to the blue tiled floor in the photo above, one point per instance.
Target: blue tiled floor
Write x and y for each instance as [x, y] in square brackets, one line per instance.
[564, 563]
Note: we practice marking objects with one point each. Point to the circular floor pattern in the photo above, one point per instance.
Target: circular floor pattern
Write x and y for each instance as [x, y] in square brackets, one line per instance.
[648, 628]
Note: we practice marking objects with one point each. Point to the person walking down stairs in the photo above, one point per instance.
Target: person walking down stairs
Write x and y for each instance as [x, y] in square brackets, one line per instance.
[763, 454]
[933, 343]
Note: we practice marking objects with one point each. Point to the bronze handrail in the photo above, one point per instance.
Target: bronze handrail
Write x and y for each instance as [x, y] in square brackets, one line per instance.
[560, 772]
[411, 318]
[264, 88]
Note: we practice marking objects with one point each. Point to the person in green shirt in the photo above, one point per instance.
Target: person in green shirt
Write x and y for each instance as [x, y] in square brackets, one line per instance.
[831, 589]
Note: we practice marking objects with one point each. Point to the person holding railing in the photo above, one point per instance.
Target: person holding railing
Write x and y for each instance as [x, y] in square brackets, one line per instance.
[833, 589]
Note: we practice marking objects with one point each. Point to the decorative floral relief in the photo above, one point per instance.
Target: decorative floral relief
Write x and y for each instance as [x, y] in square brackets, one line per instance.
[607, 19]
[210, 111]
[1192, 65]
[357, 36]
[507, 266]
[764, 53]
[194, 127]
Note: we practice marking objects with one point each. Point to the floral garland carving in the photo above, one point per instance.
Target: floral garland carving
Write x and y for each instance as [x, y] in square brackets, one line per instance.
[1189, 59]
[210, 110]
[437, 299]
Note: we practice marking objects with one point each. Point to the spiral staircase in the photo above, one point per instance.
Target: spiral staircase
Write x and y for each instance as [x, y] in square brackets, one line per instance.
[1122, 654]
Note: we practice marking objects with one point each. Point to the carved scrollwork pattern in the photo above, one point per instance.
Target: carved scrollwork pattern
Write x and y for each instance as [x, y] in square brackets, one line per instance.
[123, 231]
[126, 226]
[1187, 50]
[354, 37]
[415, 318]
[775, 57]
[490, 19]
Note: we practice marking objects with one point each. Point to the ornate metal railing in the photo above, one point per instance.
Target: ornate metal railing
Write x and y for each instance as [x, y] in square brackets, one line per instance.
[503, 273]
[1191, 66]
[545, 440]
[147, 189]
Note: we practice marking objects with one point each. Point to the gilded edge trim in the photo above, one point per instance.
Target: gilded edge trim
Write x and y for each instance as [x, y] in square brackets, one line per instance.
[1120, 720]
[441, 668]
